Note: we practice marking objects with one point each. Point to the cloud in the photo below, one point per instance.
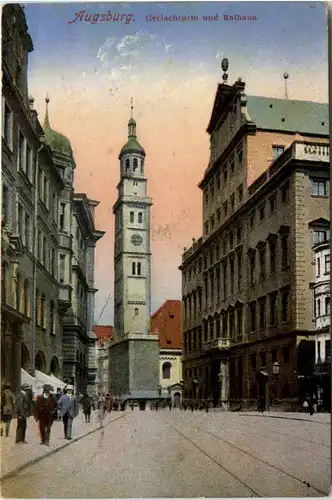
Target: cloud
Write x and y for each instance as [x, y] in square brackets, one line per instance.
[132, 55]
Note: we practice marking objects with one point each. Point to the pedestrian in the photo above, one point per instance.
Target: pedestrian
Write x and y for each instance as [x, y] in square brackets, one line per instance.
[57, 398]
[314, 403]
[68, 410]
[170, 405]
[23, 413]
[86, 405]
[7, 408]
[46, 413]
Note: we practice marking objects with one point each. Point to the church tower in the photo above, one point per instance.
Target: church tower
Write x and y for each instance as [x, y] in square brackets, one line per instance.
[134, 352]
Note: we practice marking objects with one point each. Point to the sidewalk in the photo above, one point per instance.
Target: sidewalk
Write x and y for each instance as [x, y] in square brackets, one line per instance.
[14, 456]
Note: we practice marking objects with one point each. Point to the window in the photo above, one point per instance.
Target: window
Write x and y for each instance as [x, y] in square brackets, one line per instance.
[320, 236]
[240, 192]
[327, 264]
[225, 175]
[273, 309]
[224, 245]
[285, 306]
[167, 370]
[318, 308]
[232, 164]
[20, 156]
[327, 350]
[231, 272]
[262, 314]
[53, 262]
[127, 166]
[133, 268]
[8, 126]
[27, 231]
[284, 251]
[40, 184]
[273, 204]
[39, 246]
[318, 266]
[225, 208]
[285, 193]
[233, 202]
[272, 246]
[239, 271]
[218, 183]
[37, 311]
[274, 355]
[44, 251]
[206, 227]
[62, 268]
[224, 276]
[52, 317]
[252, 219]
[139, 266]
[231, 240]
[212, 222]
[136, 311]
[28, 162]
[18, 292]
[262, 263]
[232, 323]
[239, 234]
[218, 215]
[252, 315]
[318, 187]
[131, 217]
[62, 216]
[20, 228]
[5, 203]
[135, 164]
[240, 157]
[42, 306]
[140, 217]
[327, 306]
[262, 212]
[252, 268]
[240, 320]
[277, 151]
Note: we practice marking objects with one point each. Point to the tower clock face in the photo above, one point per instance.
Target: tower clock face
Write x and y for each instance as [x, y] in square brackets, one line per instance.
[136, 240]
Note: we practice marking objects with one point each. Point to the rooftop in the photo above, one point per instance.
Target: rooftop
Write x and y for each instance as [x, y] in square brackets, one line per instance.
[166, 322]
[103, 332]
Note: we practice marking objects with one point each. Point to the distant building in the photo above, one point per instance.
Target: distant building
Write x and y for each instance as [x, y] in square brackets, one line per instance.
[104, 335]
[166, 323]
[247, 282]
[322, 314]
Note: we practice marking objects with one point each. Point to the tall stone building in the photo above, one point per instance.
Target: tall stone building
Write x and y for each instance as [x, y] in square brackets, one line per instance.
[247, 283]
[39, 263]
[31, 333]
[134, 352]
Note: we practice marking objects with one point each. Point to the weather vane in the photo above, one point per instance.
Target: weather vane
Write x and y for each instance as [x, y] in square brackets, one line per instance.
[224, 67]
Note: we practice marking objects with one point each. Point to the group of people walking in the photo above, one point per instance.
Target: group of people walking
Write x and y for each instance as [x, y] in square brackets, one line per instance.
[48, 408]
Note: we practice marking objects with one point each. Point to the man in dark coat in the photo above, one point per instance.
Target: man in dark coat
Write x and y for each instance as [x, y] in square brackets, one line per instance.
[46, 413]
[85, 401]
[22, 407]
[7, 407]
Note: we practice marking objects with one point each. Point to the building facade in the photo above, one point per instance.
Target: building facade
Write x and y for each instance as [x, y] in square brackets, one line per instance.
[134, 352]
[247, 282]
[31, 333]
[104, 335]
[166, 323]
[38, 206]
[322, 313]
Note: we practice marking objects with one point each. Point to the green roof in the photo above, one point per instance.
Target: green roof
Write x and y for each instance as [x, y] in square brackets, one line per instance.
[304, 117]
[56, 141]
[132, 146]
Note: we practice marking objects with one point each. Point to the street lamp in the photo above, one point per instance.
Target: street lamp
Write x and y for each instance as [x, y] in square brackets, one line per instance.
[275, 371]
[275, 368]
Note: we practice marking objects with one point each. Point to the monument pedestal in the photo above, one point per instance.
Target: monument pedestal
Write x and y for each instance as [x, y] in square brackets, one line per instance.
[133, 367]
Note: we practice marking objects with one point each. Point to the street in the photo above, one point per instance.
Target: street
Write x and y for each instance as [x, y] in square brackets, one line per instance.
[184, 454]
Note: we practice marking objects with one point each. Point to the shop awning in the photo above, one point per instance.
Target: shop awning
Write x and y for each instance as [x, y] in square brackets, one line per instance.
[26, 378]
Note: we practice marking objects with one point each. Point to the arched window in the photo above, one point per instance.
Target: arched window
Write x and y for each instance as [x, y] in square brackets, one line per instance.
[139, 269]
[135, 164]
[136, 311]
[142, 166]
[52, 316]
[133, 268]
[127, 165]
[167, 370]
[132, 217]
[42, 311]
[140, 217]
[18, 292]
[26, 297]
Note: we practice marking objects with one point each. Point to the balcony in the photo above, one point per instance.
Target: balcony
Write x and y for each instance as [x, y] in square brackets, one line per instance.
[65, 240]
[218, 344]
[64, 297]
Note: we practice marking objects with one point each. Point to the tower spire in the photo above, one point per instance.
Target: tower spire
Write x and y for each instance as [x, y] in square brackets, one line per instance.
[286, 76]
[46, 119]
[131, 123]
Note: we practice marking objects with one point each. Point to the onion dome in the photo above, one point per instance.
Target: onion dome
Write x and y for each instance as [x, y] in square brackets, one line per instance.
[56, 141]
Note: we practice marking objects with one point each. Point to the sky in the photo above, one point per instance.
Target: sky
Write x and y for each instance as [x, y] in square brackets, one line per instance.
[91, 68]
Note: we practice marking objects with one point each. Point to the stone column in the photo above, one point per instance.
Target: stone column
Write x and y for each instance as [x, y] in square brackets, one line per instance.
[17, 358]
[224, 384]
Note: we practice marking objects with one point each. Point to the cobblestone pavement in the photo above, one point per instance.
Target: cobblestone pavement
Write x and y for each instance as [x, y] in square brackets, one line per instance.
[16, 455]
[187, 454]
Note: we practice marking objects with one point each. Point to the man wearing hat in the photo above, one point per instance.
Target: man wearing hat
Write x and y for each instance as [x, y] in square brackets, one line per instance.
[68, 406]
[22, 411]
[46, 413]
